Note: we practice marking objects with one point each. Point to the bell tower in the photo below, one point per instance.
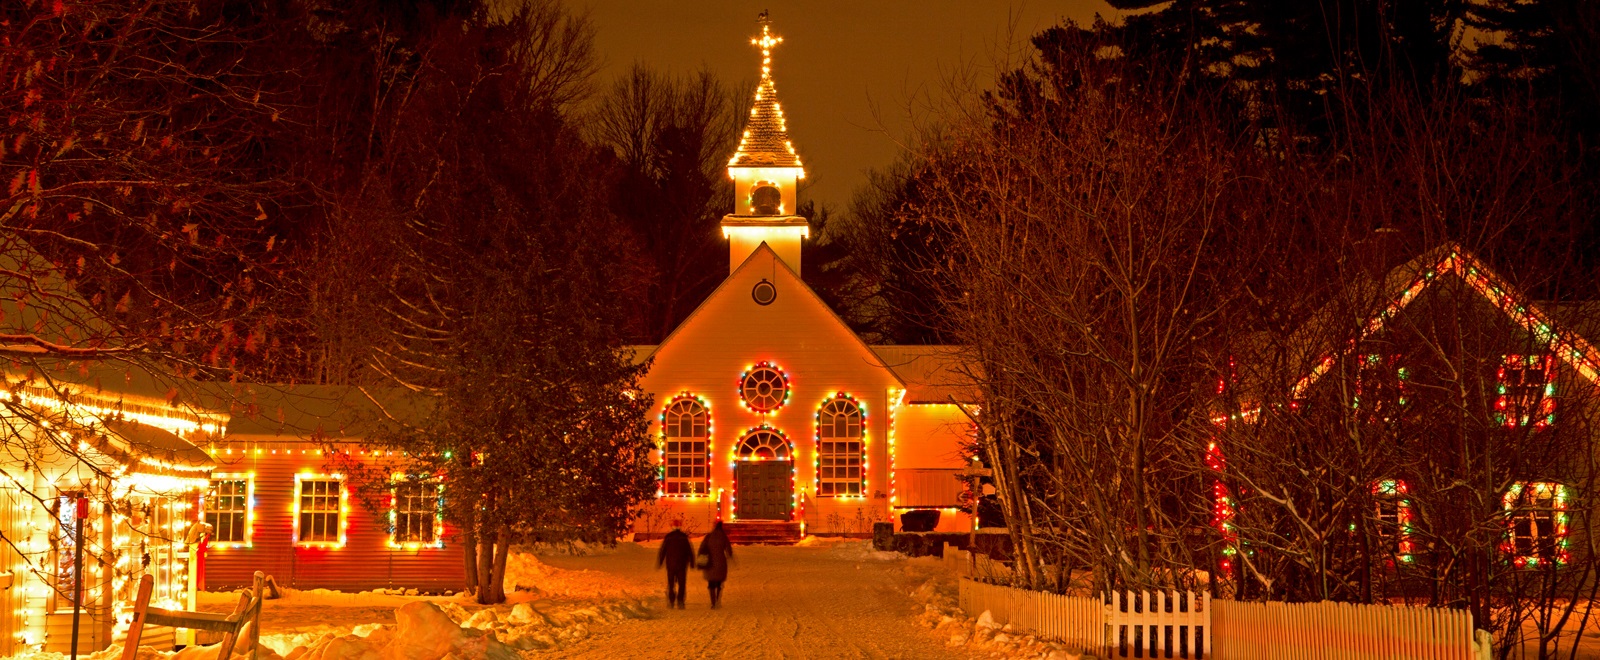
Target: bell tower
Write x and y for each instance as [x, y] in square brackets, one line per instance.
[765, 172]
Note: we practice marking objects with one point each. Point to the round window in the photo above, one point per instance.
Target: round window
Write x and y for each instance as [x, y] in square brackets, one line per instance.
[764, 388]
[764, 293]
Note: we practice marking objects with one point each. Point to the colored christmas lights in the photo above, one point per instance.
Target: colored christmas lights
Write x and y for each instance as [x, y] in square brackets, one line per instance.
[1525, 394]
[764, 388]
[1536, 532]
[399, 483]
[896, 399]
[684, 423]
[841, 421]
[764, 443]
[1568, 346]
[1394, 514]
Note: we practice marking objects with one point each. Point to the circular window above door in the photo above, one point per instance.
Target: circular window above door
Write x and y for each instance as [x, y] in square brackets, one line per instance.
[764, 388]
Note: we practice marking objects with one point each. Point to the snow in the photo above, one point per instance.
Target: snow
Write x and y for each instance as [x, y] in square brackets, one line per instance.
[552, 609]
[980, 636]
[824, 598]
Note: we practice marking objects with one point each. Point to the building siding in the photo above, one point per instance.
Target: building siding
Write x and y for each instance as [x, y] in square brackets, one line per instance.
[729, 334]
[366, 561]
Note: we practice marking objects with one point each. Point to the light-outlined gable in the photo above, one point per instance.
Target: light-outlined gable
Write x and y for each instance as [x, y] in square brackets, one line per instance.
[1406, 283]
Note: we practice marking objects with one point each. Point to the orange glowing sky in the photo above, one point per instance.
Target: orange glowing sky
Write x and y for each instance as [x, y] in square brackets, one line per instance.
[849, 73]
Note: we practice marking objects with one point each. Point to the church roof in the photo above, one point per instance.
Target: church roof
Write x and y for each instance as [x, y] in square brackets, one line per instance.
[931, 373]
[765, 141]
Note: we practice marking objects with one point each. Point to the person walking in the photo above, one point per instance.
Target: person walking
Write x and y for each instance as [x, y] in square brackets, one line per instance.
[676, 554]
[717, 551]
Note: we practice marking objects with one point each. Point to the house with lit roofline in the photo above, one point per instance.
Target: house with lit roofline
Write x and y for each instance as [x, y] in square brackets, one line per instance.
[772, 414]
[298, 493]
[1438, 350]
[100, 456]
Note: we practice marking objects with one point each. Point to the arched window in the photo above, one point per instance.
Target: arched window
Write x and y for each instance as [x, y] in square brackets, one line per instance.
[686, 432]
[766, 199]
[839, 448]
[764, 444]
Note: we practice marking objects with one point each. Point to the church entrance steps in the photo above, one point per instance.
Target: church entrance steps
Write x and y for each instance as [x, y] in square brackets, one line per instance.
[763, 532]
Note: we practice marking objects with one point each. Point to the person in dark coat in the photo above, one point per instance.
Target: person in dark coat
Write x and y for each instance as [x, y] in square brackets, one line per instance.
[717, 552]
[676, 554]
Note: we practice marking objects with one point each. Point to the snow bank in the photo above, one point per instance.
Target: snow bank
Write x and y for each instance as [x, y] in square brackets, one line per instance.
[983, 635]
[525, 571]
[423, 630]
[334, 625]
[859, 550]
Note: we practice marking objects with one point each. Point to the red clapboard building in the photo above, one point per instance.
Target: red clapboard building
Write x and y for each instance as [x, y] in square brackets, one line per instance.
[279, 502]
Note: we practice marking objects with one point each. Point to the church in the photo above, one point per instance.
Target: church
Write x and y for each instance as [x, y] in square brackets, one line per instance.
[772, 414]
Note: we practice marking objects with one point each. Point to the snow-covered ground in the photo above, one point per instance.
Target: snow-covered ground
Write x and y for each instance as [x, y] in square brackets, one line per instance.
[551, 608]
[820, 599]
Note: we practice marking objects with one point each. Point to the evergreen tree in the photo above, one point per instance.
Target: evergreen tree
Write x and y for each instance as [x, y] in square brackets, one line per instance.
[1549, 51]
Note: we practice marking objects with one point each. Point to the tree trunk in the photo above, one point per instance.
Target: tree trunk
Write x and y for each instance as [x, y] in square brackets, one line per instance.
[501, 552]
[486, 581]
[469, 542]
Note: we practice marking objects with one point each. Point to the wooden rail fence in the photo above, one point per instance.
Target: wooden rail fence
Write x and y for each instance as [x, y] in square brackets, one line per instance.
[1192, 625]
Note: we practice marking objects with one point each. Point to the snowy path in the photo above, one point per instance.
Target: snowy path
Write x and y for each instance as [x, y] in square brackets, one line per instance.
[825, 601]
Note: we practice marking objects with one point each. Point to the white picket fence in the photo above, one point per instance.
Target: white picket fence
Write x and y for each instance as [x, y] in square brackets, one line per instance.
[1138, 624]
[1307, 631]
[1192, 625]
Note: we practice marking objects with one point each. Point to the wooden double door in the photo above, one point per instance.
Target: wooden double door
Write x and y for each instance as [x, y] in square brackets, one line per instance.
[765, 489]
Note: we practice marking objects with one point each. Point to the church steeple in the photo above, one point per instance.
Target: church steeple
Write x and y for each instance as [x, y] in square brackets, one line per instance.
[765, 172]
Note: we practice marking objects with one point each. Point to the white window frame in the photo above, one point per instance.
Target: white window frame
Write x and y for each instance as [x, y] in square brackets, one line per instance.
[340, 509]
[690, 452]
[400, 509]
[836, 452]
[246, 515]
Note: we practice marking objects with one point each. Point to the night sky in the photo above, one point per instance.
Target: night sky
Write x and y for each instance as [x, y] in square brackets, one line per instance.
[847, 68]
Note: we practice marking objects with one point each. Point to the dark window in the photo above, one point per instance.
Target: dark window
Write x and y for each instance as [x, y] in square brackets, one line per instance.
[1538, 520]
[766, 199]
[1524, 395]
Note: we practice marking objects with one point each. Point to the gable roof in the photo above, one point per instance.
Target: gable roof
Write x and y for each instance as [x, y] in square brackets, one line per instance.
[932, 373]
[333, 413]
[780, 269]
[1406, 282]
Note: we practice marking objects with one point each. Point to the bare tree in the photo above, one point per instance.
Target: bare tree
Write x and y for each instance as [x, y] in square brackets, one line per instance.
[1087, 211]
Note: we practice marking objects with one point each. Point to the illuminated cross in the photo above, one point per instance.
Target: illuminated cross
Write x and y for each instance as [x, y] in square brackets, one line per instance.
[767, 40]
